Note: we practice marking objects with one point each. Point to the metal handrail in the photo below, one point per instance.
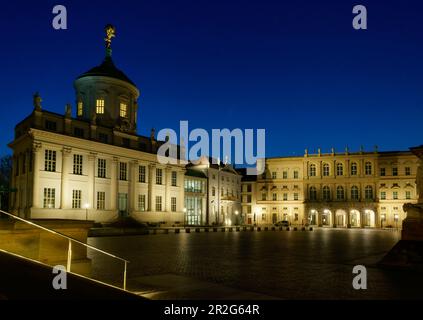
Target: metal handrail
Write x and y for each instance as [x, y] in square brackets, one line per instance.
[70, 239]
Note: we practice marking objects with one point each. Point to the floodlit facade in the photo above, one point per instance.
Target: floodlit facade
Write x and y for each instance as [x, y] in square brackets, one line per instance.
[347, 190]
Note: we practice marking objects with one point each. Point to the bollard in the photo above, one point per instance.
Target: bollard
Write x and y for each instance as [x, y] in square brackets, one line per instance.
[273, 229]
[206, 229]
[295, 229]
[166, 231]
[287, 229]
[280, 229]
[266, 228]
[258, 228]
[303, 229]
[238, 229]
[244, 229]
[230, 229]
[197, 230]
[176, 230]
[187, 230]
[311, 229]
[214, 229]
[251, 228]
[223, 229]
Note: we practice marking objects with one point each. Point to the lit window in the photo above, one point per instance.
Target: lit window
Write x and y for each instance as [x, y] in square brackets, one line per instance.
[159, 176]
[353, 169]
[100, 106]
[158, 203]
[76, 199]
[141, 202]
[173, 204]
[285, 197]
[312, 170]
[274, 197]
[368, 193]
[395, 195]
[383, 195]
[49, 198]
[326, 170]
[123, 110]
[295, 196]
[368, 168]
[80, 109]
[273, 175]
[408, 195]
[339, 169]
[77, 164]
[340, 193]
[354, 193]
[101, 200]
[141, 174]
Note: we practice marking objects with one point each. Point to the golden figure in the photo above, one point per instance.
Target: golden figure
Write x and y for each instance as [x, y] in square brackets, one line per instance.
[110, 33]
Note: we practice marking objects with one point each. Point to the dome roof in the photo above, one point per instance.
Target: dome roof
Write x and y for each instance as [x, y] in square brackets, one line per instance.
[107, 69]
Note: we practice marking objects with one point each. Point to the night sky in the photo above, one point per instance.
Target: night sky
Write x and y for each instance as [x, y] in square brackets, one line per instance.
[295, 68]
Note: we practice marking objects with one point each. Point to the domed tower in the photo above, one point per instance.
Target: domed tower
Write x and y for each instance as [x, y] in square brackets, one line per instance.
[105, 95]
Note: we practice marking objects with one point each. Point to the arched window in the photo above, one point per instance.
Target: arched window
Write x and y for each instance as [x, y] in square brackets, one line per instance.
[353, 169]
[313, 193]
[312, 170]
[326, 169]
[368, 168]
[368, 193]
[354, 193]
[340, 193]
[326, 193]
[339, 169]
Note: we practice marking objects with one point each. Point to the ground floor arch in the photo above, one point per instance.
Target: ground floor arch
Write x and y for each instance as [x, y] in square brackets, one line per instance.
[341, 218]
[326, 218]
[313, 217]
[369, 219]
[355, 219]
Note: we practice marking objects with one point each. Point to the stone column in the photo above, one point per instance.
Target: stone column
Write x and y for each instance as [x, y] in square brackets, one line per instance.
[113, 183]
[36, 175]
[348, 218]
[64, 192]
[151, 183]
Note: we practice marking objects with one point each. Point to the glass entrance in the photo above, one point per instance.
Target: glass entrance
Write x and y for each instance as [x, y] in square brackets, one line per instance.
[123, 204]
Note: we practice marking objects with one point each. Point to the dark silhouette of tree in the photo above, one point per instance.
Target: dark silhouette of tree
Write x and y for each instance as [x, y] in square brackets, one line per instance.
[5, 175]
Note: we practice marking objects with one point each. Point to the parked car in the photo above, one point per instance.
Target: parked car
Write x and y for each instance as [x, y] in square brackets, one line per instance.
[283, 223]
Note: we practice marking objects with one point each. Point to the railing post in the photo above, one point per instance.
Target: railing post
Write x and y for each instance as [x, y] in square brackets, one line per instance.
[124, 276]
[68, 267]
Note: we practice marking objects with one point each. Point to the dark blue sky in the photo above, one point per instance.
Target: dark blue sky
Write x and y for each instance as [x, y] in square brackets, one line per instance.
[295, 68]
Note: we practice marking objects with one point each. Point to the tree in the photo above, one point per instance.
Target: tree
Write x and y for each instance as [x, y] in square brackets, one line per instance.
[5, 175]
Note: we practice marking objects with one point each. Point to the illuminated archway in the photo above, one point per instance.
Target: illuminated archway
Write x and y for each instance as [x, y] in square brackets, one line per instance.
[369, 219]
[326, 218]
[341, 218]
[313, 217]
[355, 218]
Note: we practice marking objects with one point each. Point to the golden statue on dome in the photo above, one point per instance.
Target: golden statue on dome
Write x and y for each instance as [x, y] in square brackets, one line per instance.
[110, 33]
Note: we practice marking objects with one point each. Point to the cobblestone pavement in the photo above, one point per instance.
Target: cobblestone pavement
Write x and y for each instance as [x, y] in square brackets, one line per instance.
[271, 264]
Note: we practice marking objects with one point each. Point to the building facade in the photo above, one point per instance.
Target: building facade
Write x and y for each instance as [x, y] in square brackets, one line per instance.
[90, 164]
[362, 189]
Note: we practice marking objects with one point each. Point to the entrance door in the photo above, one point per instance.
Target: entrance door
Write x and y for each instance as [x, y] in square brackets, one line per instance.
[123, 204]
[249, 221]
[274, 217]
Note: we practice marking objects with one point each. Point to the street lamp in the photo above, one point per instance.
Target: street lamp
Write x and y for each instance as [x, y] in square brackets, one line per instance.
[86, 206]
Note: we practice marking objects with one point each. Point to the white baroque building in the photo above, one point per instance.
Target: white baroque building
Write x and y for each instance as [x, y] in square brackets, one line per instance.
[93, 165]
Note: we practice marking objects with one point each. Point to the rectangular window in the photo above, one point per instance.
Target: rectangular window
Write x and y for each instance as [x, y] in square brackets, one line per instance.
[77, 164]
[141, 202]
[50, 161]
[51, 125]
[295, 196]
[123, 171]
[395, 195]
[76, 199]
[296, 174]
[407, 171]
[158, 203]
[394, 171]
[101, 200]
[103, 137]
[383, 195]
[174, 178]
[78, 132]
[263, 196]
[49, 198]
[123, 110]
[100, 106]
[173, 204]
[80, 109]
[274, 197]
[101, 168]
[249, 188]
[285, 175]
[408, 195]
[285, 197]
[213, 191]
[141, 174]
[159, 176]
[382, 172]
[273, 175]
